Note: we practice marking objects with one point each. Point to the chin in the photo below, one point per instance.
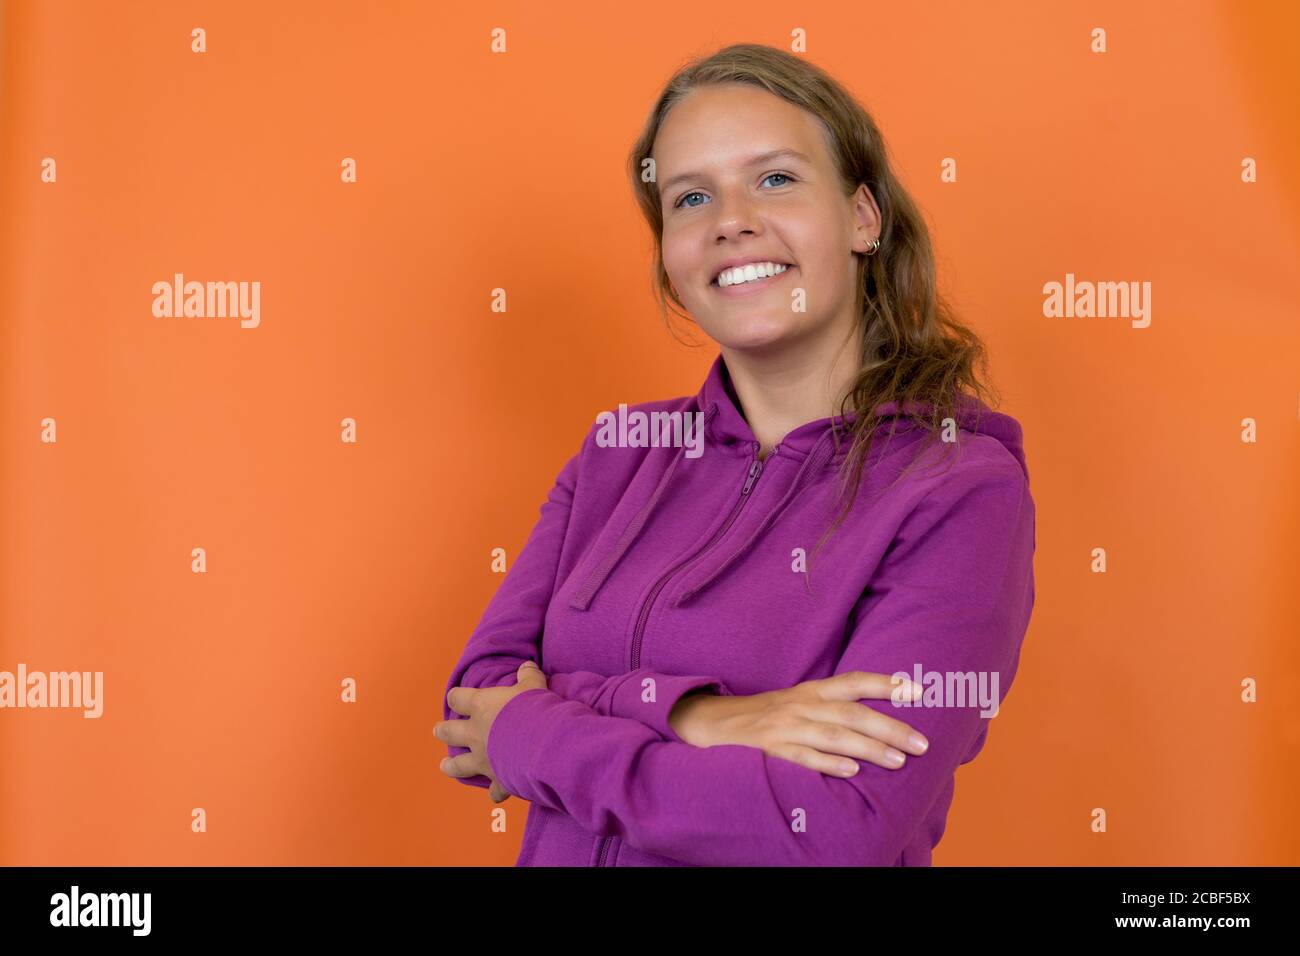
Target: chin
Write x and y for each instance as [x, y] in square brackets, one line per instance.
[754, 340]
[738, 332]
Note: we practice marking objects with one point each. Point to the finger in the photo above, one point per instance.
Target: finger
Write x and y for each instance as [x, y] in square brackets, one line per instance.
[530, 675]
[459, 698]
[498, 793]
[815, 760]
[860, 685]
[868, 722]
[463, 765]
[896, 687]
[843, 746]
[454, 732]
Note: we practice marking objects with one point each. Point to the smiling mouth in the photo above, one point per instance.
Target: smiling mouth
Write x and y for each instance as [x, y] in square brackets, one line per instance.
[752, 282]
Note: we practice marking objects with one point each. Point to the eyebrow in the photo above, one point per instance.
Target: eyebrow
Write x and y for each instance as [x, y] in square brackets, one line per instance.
[771, 154]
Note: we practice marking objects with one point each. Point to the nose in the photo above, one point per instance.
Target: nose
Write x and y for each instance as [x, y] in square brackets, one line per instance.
[735, 215]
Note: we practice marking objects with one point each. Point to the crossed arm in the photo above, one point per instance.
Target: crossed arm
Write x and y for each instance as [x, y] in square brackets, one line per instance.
[600, 750]
[511, 628]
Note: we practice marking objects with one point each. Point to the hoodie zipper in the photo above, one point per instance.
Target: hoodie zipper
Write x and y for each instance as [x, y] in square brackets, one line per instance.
[751, 476]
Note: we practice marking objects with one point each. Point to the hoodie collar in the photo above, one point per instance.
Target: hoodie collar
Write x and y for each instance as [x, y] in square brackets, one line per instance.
[825, 441]
[820, 443]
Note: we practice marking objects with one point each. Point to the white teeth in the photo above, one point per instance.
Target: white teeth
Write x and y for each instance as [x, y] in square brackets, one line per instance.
[749, 273]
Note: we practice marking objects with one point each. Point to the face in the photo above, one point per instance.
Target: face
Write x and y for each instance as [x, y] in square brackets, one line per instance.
[723, 200]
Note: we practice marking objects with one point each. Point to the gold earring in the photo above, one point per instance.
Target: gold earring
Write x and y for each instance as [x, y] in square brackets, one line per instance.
[874, 246]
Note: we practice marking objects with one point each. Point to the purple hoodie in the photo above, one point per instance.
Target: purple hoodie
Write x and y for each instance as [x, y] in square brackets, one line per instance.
[657, 571]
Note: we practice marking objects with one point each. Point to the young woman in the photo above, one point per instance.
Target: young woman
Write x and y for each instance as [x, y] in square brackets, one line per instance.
[718, 626]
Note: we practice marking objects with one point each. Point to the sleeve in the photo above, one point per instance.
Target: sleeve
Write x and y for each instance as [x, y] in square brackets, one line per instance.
[510, 633]
[953, 594]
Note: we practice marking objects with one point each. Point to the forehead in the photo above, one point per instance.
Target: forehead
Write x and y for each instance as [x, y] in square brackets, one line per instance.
[720, 127]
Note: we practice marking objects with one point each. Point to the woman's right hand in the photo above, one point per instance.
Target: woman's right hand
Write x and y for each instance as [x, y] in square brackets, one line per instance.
[815, 724]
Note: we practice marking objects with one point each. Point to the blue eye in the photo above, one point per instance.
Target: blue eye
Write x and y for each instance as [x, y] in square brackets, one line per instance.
[678, 204]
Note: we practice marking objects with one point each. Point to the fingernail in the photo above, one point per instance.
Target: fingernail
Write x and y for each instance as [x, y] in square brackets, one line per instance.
[894, 757]
[919, 742]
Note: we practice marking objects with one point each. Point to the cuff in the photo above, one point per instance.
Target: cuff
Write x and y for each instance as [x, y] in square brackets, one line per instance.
[512, 740]
[650, 697]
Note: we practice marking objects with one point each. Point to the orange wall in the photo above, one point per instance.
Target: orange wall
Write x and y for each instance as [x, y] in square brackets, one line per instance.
[477, 171]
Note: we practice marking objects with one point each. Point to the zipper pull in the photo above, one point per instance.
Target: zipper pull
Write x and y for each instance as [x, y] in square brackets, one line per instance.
[754, 471]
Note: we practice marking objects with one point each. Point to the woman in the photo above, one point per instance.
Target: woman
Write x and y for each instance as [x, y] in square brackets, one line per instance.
[708, 620]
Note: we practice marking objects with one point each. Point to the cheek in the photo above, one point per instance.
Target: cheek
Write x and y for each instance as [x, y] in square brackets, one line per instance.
[674, 264]
[825, 266]
[684, 273]
[677, 261]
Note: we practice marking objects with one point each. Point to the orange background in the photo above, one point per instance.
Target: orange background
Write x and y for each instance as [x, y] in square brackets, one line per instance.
[478, 171]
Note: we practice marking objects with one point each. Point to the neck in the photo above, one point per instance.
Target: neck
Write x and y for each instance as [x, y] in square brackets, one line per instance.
[781, 391]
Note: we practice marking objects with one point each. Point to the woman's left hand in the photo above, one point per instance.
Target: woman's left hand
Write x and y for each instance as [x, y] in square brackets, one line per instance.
[480, 706]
